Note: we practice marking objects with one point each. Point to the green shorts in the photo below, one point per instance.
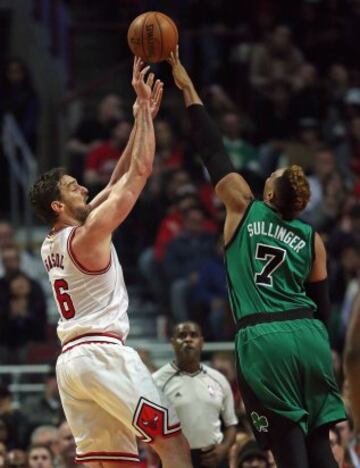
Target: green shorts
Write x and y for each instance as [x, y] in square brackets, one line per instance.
[286, 368]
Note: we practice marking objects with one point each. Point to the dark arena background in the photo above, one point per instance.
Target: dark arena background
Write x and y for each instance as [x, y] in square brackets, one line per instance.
[281, 79]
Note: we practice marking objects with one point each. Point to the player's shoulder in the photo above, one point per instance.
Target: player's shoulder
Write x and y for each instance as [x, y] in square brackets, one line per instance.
[164, 373]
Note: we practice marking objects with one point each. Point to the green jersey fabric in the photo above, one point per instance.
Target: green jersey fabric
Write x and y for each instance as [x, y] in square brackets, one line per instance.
[286, 364]
[267, 263]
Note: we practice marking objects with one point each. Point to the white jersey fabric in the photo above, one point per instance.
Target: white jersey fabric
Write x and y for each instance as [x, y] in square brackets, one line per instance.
[87, 301]
[201, 400]
[107, 393]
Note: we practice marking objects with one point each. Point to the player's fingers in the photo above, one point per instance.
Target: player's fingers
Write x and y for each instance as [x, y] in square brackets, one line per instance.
[158, 90]
[150, 79]
[177, 51]
[156, 87]
[144, 71]
[137, 67]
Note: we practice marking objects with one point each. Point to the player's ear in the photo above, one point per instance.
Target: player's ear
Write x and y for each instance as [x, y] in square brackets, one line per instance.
[57, 206]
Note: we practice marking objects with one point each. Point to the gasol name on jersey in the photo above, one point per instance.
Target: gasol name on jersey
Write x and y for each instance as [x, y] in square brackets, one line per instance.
[263, 228]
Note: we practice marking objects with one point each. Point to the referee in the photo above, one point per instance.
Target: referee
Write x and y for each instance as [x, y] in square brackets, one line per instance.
[201, 396]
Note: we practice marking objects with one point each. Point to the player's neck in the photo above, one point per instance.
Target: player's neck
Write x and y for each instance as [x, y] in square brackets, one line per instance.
[64, 222]
[188, 366]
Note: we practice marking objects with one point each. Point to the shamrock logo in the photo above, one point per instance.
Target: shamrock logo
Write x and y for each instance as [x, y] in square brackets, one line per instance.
[261, 423]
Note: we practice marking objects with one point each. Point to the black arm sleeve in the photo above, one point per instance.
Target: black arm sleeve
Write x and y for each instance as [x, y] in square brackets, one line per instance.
[319, 293]
[208, 142]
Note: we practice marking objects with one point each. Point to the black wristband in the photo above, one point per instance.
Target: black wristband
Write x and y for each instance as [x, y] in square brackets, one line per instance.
[208, 142]
[319, 293]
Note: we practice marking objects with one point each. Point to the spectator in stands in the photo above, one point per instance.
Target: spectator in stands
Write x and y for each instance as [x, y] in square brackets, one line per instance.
[23, 316]
[90, 132]
[223, 361]
[101, 160]
[4, 433]
[183, 258]
[16, 458]
[168, 149]
[208, 298]
[324, 164]
[29, 264]
[201, 396]
[336, 89]
[67, 447]
[44, 409]
[46, 435]
[16, 424]
[40, 456]
[276, 125]
[150, 260]
[348, 152]
[336, 446]
[251, 456]
[276, 59]
[325, 215]
[242, 154]
[2, 454]
[308, 100]
[302, 148]
[19, 98]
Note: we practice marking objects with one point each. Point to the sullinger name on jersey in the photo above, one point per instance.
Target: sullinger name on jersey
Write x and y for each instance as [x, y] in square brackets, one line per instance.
[262, 228]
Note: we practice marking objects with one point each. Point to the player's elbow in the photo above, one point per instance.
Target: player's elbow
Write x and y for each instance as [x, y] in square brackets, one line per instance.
[143, 168]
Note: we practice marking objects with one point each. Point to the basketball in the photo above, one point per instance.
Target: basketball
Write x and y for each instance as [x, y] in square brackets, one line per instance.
[152, 36]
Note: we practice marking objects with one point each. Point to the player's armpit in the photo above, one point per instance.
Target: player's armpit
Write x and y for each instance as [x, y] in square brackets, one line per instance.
[234, 192]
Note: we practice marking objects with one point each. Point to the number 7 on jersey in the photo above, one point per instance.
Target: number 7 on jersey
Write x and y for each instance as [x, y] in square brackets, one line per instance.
[274, 257]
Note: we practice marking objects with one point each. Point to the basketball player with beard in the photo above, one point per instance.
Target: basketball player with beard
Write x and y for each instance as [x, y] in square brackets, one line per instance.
[108, 395]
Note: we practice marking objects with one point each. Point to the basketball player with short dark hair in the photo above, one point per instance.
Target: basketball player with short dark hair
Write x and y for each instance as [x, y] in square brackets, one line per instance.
[108, 395]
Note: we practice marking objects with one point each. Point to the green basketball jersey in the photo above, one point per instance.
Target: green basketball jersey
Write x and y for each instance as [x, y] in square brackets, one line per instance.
[268, 261]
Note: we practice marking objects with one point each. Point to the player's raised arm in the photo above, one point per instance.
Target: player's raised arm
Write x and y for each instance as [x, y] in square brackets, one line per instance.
[230, 186]
[93, 237]
[124, 160]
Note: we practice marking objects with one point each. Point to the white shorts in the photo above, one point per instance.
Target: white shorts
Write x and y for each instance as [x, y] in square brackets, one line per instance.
[109, 399]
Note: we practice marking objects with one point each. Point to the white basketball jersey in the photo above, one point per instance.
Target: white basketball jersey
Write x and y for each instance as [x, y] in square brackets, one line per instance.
[88, 301]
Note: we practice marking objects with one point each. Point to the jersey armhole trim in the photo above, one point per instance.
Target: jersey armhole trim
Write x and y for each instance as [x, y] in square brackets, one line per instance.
[242, 220]
[76, 262]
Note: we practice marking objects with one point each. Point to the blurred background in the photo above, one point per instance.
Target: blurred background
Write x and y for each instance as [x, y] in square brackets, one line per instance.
[282, 80]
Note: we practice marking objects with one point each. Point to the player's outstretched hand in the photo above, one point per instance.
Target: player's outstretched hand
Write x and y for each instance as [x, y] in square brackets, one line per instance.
[156, 96]
[181, 77]
[141, 87]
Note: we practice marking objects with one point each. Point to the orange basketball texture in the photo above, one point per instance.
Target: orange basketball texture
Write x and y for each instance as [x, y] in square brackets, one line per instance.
[152, 36]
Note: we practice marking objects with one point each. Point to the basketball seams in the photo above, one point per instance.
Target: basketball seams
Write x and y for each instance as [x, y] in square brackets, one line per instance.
[161, 34]
[142, 34]
[172, 24]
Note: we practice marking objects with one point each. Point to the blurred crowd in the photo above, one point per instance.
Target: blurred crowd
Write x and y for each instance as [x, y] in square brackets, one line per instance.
[282, 80]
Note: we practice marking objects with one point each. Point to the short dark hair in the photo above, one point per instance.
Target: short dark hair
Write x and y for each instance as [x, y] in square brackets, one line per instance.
[292, 192]
[186, 322]
[44, 191]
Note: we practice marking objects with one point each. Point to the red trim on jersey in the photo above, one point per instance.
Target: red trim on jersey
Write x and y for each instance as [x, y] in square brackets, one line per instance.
[117, 457]
[111, 335]
[76, 261]
[85, 342]
[118, 460]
